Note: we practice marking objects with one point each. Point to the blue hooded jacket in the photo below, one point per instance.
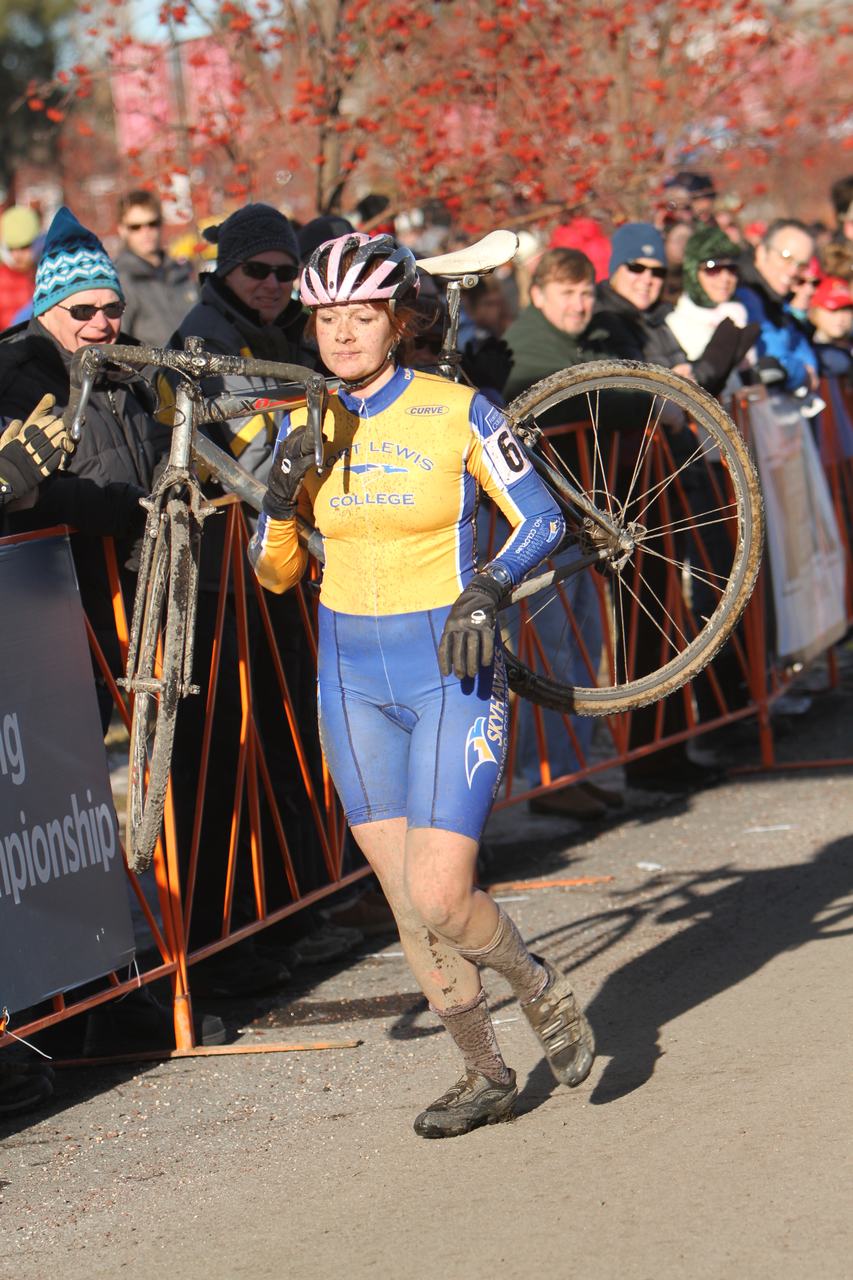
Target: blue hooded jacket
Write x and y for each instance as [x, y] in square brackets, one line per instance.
[780, 335]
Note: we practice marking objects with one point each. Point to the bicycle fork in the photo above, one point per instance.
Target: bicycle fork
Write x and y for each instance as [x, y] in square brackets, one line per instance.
[175, 499]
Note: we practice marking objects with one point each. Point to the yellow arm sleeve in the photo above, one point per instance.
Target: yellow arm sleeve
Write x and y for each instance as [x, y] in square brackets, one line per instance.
[276, 555]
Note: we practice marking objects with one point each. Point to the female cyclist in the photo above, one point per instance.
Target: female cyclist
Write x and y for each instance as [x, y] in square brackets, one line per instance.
[412, 687]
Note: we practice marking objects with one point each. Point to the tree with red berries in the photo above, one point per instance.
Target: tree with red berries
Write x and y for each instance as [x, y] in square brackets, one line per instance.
[497, 109]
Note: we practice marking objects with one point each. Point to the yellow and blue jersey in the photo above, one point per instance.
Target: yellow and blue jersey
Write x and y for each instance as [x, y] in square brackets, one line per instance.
[396, 505]
[396, 500]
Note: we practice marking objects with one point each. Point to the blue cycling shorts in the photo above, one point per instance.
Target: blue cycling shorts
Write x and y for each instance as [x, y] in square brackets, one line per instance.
[400, 739]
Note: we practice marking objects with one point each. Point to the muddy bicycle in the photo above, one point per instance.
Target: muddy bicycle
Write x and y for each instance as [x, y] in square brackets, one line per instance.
[627, 486]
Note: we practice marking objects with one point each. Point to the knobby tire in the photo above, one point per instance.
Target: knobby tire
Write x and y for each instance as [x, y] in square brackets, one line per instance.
[154, 716]
[617, 375]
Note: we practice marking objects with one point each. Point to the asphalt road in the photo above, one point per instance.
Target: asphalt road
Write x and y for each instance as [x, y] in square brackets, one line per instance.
[712, 1139]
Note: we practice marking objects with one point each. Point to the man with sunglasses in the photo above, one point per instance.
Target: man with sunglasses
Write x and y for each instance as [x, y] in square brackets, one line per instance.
[767, 281]
[158, 289]
[247, 308]
[79, 301]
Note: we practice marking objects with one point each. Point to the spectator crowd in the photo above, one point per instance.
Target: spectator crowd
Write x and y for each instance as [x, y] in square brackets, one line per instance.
[692, 289]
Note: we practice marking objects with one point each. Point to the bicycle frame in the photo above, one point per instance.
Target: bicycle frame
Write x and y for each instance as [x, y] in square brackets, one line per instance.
[192, 408]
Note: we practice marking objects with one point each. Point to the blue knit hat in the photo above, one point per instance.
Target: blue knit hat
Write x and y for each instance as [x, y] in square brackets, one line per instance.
[636, 240]
[73, 260]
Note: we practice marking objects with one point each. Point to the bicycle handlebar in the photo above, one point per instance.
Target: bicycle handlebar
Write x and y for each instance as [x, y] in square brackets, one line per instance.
[192, 364]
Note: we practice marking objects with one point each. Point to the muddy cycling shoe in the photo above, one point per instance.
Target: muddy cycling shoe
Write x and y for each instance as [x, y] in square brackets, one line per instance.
[562, 1028]
[472, 1101]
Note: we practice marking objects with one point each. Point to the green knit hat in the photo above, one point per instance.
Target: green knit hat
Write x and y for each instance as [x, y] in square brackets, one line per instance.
[706, 244]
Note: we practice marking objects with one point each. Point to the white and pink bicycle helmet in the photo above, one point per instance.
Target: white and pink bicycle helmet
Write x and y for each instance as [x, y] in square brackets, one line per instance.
[379, 270]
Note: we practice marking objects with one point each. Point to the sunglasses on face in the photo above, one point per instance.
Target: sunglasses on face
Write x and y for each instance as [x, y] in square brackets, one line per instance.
[88, 310]
[261, 270]
[812, 281]
[143, 226]
[640, 268]
[714, 266]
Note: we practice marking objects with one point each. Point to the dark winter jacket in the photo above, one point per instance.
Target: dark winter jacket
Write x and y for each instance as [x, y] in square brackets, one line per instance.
[120, 445]
[646, 335]
[226, 325]
[158, 297]
[634, 334]
[111, 469]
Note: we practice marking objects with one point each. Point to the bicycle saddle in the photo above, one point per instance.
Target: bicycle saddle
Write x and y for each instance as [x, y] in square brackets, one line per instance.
[492, 251]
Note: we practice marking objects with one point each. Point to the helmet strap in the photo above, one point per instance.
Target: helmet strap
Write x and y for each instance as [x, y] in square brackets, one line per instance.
[368, 377]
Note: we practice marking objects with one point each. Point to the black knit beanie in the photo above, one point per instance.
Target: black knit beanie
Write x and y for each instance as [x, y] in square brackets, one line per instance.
[258, 228]
[707, 244]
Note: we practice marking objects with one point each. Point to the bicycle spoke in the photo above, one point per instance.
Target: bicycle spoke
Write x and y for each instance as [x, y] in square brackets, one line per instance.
[698, 574]
[598, 456]
[624, 637]
[642, 453]
[560, 464]
[664, 610]
[687, 523]
[655, 492]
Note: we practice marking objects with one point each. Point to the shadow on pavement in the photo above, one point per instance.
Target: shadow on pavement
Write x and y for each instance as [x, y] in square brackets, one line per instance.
[740, 920]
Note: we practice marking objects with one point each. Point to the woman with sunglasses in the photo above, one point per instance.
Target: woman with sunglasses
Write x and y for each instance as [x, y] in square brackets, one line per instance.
[78, 301]
[629, 309]
[800, 300]
[710, 278]
[636, 321]
[247, 308]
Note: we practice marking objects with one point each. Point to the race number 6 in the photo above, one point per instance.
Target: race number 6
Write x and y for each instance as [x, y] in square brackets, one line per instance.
[512, 454]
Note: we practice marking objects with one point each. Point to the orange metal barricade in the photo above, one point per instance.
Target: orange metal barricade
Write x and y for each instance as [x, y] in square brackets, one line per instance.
[263, 878]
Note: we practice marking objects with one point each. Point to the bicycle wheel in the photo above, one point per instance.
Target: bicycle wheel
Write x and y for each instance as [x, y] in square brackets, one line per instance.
[670, 469]
[158, 680]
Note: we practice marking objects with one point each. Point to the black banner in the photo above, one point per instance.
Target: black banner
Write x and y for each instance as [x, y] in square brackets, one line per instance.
[64, 913]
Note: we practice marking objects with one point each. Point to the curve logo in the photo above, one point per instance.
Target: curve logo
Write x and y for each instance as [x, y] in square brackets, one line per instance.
[427, 410]
[360, 468]
[477, 749]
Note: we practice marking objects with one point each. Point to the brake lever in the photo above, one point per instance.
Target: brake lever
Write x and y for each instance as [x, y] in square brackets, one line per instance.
[316, 397]
[74, 416]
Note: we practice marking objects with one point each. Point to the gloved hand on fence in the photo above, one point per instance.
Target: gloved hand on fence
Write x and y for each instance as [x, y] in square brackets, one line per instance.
[31, 450]
[468, 639]
[725, 350]
[487, 362]
[292, 460]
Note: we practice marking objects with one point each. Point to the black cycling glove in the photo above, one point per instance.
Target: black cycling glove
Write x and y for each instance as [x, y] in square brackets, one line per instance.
[292, 460]
[468, 640]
